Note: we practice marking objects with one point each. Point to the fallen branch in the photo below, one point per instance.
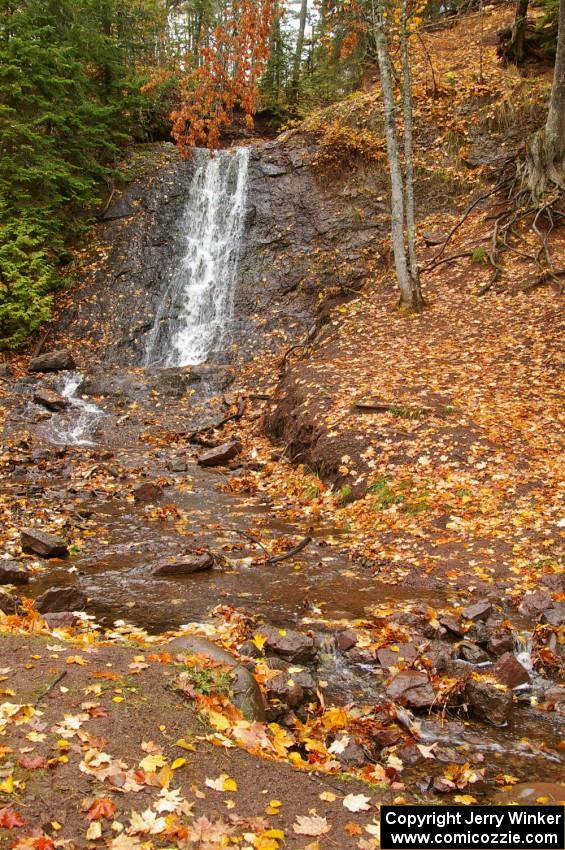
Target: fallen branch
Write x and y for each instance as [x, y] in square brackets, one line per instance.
[291, 552]
[194, 436]
[254, 540]
[462, 220]
[50, 687]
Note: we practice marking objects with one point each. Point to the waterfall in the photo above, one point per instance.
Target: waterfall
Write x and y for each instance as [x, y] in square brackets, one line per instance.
[192, 321]
[75, 425]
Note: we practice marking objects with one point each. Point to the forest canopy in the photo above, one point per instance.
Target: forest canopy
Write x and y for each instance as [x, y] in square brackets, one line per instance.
[81, 79]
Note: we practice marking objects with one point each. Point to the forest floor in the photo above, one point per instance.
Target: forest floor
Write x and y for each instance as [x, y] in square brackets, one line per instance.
[422, 455]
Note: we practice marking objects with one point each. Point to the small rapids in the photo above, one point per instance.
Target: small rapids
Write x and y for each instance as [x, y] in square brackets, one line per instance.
[76, 425]
[193, 318]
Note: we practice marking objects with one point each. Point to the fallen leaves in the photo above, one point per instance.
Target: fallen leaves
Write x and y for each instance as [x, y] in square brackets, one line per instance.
[102, 808]
[357, 803]
[10, 818]
[222, 783]
[312, 825]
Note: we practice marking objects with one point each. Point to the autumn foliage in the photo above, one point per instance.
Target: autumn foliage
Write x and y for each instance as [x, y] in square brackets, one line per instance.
[231, 60]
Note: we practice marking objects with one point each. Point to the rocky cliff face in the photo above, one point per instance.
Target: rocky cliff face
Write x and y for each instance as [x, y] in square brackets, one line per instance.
[306, 235]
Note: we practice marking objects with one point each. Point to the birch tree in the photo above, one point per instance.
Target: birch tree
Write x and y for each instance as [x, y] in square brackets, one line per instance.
[403, 229]
[295, 80]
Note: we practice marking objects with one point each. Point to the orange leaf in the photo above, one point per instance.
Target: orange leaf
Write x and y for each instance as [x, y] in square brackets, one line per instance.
[103, 808]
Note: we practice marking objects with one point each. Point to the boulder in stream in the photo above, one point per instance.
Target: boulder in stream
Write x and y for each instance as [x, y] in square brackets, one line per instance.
[501, 641]
[52, 361]
[186, 565]
[288, 644]
[42, 543]
[489, 701]
[535, 603]
[411, 688]
[147, 493]
[220, 455]
[508, 671]
[61, 599]
[50, 399]
[555, 616]
[477, 611]
[246, 693]
[10, 573]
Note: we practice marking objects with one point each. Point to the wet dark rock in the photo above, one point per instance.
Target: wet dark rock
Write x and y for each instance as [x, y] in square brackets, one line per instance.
[456, 668]
[185, 565]
[52, 361]
[174, 383]
[8, 602]
[508, 671]
[443, 785]
[50, 399]
[60, 619]
[220, 455]
[288, 644]
[439, 653]
[450, 755]
[555, 616]
[406, 652]
[61, 599]
[246, 693]
[472, 652]
[271, 170]
[348, 752]
[452, 624]
[42, 543]
[411, 688]
[387, 737]
[10, 573]
[488, 702]
[480, 631]
[535, 603]
[410, 755]
[148, 493]
[178, 464]
[477, 611]
[281, 686]
[250, 650]
[346, 640]
[500, 642]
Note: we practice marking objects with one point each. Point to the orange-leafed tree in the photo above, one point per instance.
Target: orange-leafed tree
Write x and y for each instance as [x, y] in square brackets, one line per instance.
[231, 57]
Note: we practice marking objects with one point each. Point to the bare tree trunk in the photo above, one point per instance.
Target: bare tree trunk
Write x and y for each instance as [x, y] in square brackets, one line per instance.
[408, 155]
[516, 51]
[295, 80]
[408, 291]
[546, 165]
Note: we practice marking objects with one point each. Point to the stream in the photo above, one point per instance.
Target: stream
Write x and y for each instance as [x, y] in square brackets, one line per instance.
[317, 590]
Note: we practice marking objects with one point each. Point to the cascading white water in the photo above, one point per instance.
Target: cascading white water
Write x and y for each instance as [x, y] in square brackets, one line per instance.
[193, 318]
[75, 425]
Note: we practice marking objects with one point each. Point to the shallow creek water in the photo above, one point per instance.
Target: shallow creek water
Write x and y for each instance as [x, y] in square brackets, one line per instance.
[315, 590]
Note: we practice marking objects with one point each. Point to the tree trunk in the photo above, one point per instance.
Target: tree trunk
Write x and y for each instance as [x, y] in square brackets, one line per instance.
[408, 291]
[295, 80]
[546, 160]
[408, 155]
[516, 51]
